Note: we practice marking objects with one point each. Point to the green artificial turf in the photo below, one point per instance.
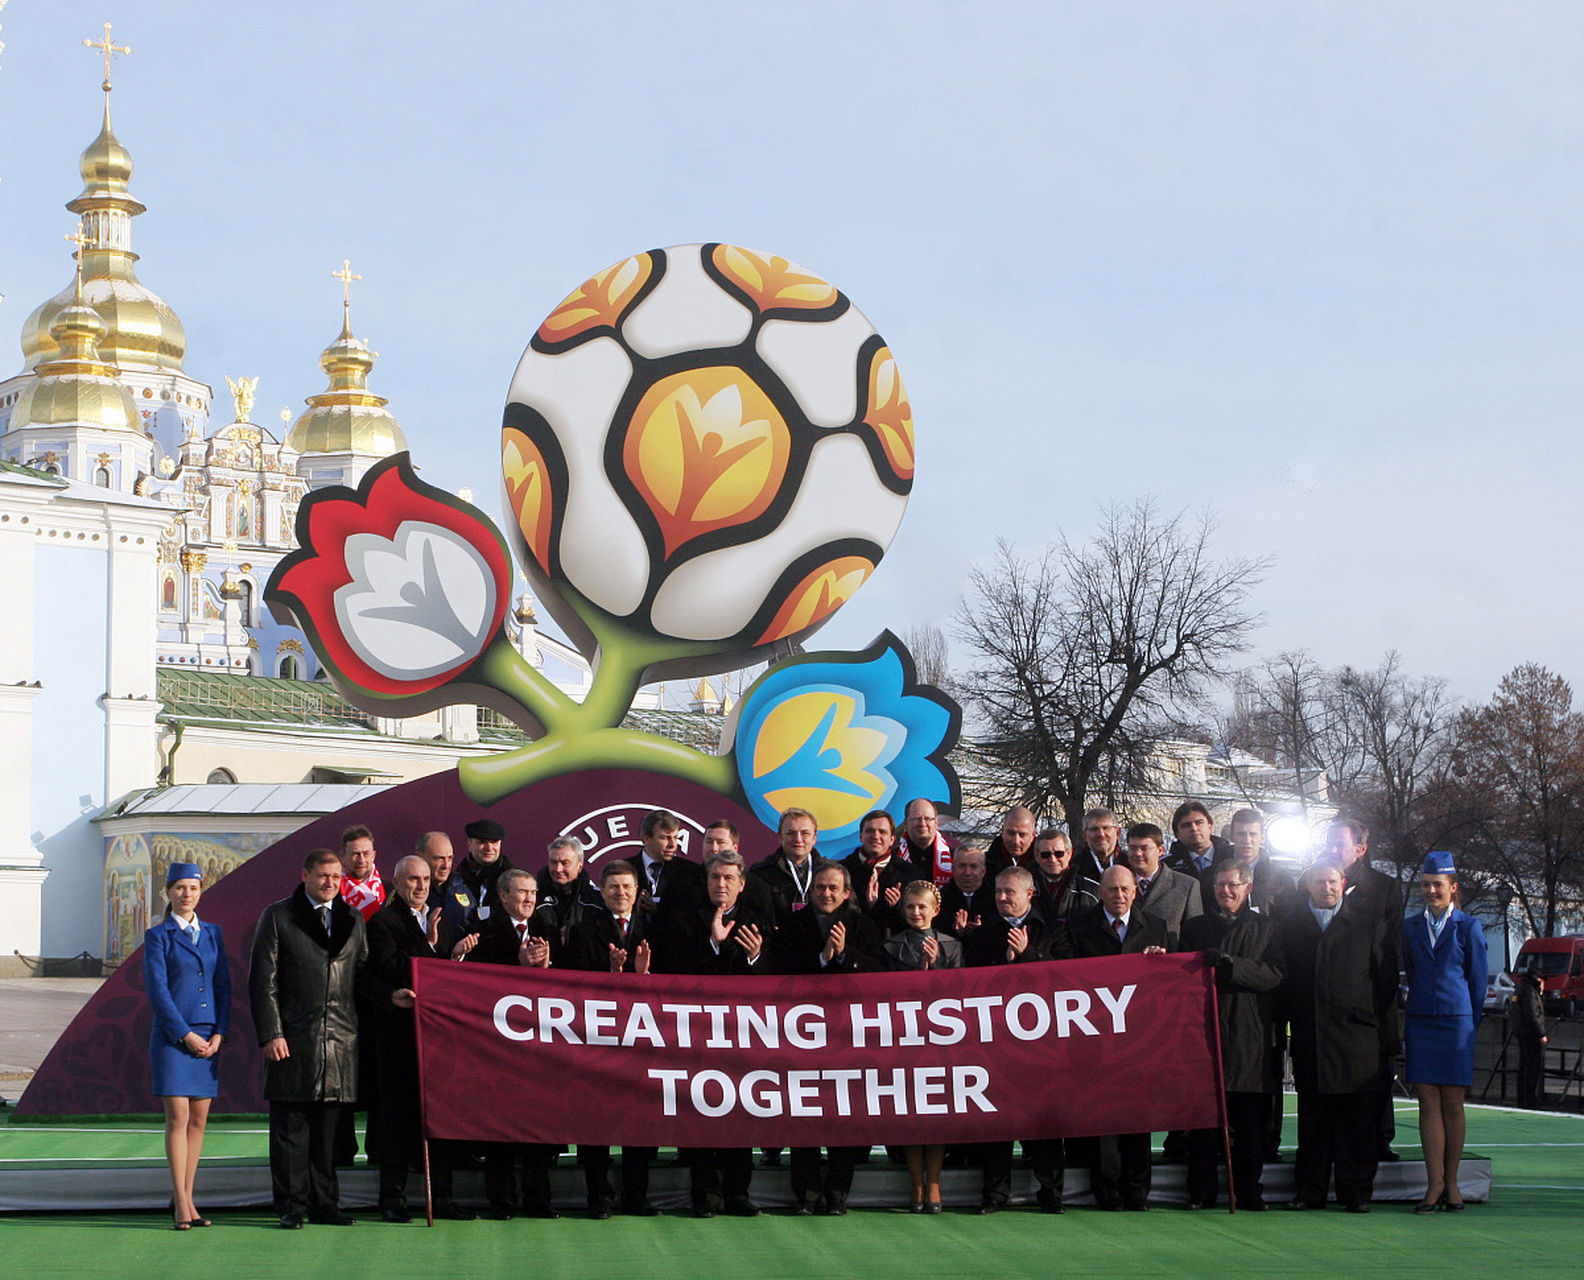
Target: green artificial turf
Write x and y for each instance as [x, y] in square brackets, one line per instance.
[1531, 1227]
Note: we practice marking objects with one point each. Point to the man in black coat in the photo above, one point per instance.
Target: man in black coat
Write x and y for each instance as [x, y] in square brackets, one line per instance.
[1339, 1000]
[1120, 1165]
[308, 953]
[509, 939]
[566, 894]
[1060, 892]
[1171, 896]
[615, 939]
[830, 936]
[405, 927]
[1373, 893]
[724, 936]
[483, 866]
[1244, 949]
[447, 891]
[1102, 837]
[1529, 1027]
[789, 872]
[1017, 934]
[1011, 847]
[878, 872]
[1197, 848]
[969, 897]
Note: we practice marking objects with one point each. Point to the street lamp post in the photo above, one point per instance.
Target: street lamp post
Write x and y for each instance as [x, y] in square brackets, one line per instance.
[1504, 898]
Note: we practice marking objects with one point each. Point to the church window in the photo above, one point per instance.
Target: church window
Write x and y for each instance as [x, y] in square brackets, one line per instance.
[102, 477]
[289, 670]
[221, 778]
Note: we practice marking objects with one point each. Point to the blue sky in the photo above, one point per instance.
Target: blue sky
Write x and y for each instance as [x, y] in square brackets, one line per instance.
[1318, 265]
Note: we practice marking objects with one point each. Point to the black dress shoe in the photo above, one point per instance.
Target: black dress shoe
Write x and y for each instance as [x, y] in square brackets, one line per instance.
[703, 1211]
[802, 1209]
[642, 1210]
[989, 1207]
[500, 1213]
[1200, 1204]
[1303, 1204]
[600, 1213]
[397, 1213]
[1137, 1207]
[291, 1221]
[540, 1211]
[1357, 1208]
[834, 1209]
[451, 1211]
[331, 1218]
[742, 1207]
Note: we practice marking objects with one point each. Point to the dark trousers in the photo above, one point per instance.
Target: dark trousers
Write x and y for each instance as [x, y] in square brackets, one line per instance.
[1531, 1072]
[302, 1138]
[1247, 1114]
[394, 1171]
[1120, 1170]
[809, 1189]
[501, 1163]
[634, 1176]
[1337, 1132]
[719, 1174]
[1386, 1112]
[1046, 1155]
[1274, 1119]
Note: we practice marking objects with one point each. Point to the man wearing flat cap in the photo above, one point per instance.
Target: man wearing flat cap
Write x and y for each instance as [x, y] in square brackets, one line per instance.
[482, 867]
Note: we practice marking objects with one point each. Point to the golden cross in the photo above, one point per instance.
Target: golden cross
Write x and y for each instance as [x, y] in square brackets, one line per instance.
[82, 240]
[346, 277]
[107, 48]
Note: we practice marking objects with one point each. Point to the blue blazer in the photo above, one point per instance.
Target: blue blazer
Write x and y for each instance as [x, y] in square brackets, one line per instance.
[187, 985]
[1449, 981]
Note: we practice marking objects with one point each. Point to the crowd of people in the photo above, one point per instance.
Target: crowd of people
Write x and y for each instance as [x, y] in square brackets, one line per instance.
[1310, 966]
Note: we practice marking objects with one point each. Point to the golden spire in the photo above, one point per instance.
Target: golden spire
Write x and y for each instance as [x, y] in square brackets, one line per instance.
[82, 241]
[346, 276]
[106, 47]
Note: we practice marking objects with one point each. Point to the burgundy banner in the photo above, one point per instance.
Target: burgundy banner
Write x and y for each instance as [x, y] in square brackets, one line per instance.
[1068, 1049]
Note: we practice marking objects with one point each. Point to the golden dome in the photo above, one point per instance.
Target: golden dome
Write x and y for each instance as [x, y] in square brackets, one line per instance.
[347, 417]
[105, 165]
[77, 388]
[141, 329]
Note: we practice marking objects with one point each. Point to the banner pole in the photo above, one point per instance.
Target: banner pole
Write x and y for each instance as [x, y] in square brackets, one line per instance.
[423, 1112]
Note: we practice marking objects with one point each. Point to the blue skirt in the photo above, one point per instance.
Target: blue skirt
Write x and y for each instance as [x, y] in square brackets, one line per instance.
[1439, 1050]
[175, 1073]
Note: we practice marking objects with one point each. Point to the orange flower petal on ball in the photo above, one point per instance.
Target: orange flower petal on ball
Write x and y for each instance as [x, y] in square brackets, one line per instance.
[528, 487]
[707, 449]
[818, 596]
[598, 303]
[773, 283]
[889, 413]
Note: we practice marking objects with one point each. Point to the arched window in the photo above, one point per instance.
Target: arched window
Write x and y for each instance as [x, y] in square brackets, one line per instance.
[289, 668]
[102, 477]
[221, 778]
[245, 603]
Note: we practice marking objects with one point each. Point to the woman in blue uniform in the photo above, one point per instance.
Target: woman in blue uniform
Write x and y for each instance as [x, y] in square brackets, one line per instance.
[1444, 952]
[189, 986]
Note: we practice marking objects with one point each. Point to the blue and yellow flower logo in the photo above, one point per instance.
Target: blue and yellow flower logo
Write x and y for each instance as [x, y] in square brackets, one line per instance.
[841, 734]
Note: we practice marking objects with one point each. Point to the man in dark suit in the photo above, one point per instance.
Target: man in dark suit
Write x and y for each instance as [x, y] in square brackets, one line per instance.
[878, 871]
[308, 953]
[566, 894]
[1170, 896]
[1339, 999]
[830, 936]
[1060, 893]
[447, 891]
[509, 938]
[1244, 949]
[969, 898]
[1010, 848]
[1197, 848]
[1017, 934]
[404, 928]
[1102, 837]
[615, 939]
[1373, 893]
[1119, 1166]
[723, 936]
[789, 872]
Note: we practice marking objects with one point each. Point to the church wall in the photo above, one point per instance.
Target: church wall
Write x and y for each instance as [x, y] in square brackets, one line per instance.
[71, 656]
[266, 755]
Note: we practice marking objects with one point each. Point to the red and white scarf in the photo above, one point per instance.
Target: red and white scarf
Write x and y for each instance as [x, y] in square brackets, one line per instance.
[364, 896]
[940, 859]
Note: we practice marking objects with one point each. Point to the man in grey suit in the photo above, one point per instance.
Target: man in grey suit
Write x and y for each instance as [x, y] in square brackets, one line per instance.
[1170, 896]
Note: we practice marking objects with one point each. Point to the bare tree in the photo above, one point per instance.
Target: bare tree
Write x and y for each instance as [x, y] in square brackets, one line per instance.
[1520, 758]
[1082, 658]
[931, 656]
[1281, 713]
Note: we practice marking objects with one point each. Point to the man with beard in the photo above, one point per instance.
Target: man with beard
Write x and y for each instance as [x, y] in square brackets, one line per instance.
[831, 936]
[1102, 836]
[1244, 949]
[566, 894]
[361, 885]
[404, 928]
[615, 939]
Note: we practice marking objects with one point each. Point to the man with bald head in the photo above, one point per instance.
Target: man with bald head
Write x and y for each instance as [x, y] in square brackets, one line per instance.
[446, 891]
[405, 927]
[923, 845]
[1119, 1166]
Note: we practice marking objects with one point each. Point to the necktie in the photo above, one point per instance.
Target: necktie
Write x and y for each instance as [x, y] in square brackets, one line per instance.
[522, 932]
[191, 930]
[621, 928]
[324, 917]
[1117, 927]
